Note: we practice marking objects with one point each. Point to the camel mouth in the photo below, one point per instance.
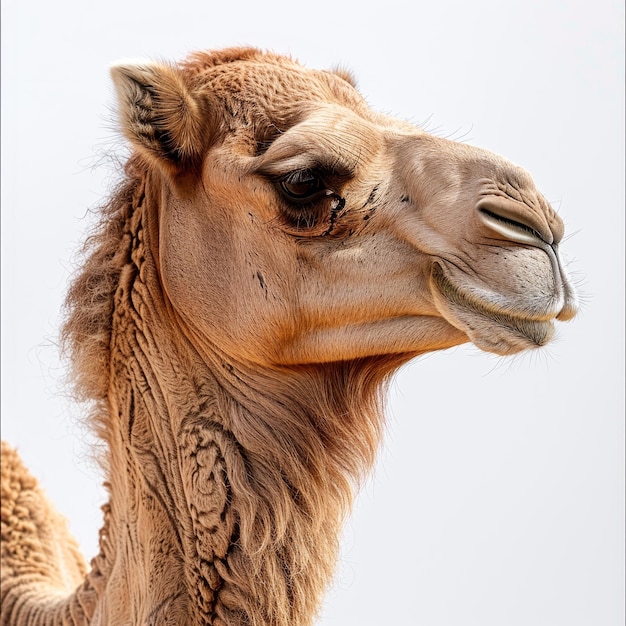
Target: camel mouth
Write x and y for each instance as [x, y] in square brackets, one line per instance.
[490, 328]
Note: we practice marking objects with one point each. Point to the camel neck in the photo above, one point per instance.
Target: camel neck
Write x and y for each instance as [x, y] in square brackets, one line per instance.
[224, 511]
[228, 483]
[227, 495]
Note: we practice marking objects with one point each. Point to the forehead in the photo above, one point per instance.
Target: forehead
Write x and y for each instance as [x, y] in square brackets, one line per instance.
[251, 84]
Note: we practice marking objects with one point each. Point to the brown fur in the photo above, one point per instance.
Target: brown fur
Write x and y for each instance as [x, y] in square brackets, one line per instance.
[236, 343]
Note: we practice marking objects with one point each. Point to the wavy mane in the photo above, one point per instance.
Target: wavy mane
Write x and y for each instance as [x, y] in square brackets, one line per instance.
[89, 304]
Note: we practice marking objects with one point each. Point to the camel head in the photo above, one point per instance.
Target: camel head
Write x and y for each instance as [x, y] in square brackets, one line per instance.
[275, 251]
[298, 226]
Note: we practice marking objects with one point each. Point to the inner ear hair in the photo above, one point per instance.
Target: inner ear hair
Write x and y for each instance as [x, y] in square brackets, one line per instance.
[159, 113]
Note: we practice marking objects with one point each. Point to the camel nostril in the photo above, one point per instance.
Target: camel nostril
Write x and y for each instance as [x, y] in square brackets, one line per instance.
[509, 221]
[511, 229]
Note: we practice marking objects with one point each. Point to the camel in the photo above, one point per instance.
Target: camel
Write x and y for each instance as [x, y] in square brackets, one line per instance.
[275, 251]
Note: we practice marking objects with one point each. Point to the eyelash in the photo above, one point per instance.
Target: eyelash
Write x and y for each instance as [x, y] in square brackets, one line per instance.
[303, 186]
[310, 204]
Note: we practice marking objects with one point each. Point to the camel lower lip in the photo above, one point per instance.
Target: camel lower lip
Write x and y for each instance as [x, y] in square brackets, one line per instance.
[538, 332]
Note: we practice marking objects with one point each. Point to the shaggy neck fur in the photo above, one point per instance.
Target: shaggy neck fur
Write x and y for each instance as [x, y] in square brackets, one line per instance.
[228, 484]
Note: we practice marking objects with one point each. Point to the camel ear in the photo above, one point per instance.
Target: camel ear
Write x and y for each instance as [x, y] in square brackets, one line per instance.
[159, 114]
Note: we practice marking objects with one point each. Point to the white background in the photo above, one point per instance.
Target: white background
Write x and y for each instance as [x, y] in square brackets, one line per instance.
[499, 496]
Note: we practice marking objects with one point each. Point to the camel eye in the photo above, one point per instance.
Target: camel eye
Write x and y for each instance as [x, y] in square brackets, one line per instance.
[303, 186]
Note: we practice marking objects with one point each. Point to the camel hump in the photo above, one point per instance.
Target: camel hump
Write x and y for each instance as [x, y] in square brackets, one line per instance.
[36, 546]
[15, 477]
